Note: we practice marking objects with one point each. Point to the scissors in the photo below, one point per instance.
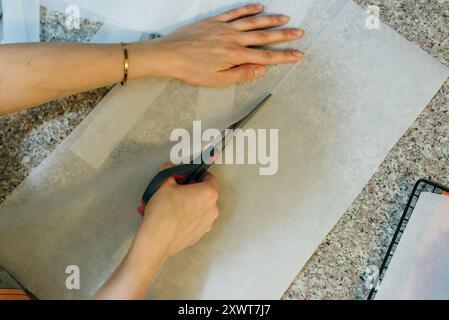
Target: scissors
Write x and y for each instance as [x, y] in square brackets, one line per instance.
[193, 171]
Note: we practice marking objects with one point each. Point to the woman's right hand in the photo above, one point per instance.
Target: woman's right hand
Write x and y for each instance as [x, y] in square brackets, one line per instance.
[179, 215]
[176, 217]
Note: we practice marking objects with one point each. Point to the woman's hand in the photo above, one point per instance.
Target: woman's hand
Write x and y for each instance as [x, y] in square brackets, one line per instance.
[179, 215]
[176, 217]
[217, 51]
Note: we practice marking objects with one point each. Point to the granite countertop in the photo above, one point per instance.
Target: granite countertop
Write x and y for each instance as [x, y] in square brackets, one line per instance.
[360, 239]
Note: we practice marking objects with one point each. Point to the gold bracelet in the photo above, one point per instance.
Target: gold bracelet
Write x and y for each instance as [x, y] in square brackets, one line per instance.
[125, 63]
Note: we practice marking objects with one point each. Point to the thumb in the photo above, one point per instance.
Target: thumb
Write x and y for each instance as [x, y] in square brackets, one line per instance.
[244, 72]
[167, 165]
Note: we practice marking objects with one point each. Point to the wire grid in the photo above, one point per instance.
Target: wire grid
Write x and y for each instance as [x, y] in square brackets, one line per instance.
[422, 185]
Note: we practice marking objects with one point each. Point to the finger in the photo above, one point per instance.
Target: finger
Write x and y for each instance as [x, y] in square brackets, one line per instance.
[264, 37]
[213, 215]
[209, 178]
[242, 73]
[266, 57]
[195, 240]
[239, 13]
[166, 165]
[209, 219]
[260, 22]
[171, 180]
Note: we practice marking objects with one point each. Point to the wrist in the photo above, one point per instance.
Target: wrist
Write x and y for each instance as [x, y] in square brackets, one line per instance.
[149, 59]
[145, 257]
[151, 245]
[156, 232]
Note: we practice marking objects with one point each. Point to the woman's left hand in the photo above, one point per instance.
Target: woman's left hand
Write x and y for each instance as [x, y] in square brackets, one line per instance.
[218, 51]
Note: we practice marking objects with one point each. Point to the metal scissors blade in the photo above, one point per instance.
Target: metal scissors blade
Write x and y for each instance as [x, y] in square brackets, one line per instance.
[239, 124]
[230, 131]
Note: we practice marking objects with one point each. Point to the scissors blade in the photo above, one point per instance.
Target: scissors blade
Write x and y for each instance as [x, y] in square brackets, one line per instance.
[245, 119]
[212, 150]
[230, 131]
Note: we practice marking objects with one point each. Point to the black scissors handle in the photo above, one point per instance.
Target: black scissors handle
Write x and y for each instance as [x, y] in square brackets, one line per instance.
[183, 174]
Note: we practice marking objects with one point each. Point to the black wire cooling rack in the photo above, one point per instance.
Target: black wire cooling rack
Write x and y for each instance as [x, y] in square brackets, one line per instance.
[422, 185]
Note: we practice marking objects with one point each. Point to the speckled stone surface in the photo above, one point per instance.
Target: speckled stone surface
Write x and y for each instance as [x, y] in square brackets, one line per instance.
[53, 28]
[361, 237]
[28, 137]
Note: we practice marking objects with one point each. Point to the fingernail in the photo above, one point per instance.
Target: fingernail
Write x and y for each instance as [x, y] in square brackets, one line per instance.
[258, 7]
[260, 72]
[297, 32]
[284, 19]
[297, 53]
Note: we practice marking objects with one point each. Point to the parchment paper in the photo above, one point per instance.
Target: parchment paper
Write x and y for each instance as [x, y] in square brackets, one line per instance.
[20, 21]
[338, 114]
[420, 264]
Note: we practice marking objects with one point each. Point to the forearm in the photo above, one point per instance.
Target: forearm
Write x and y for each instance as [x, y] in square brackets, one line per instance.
[35, 73]
[213, 52]
[132, 278]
